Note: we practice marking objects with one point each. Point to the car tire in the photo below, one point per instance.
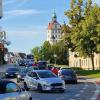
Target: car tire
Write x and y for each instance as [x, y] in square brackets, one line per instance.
[61, 91]
[18, 80]
[75, 82]
[30, 98]
[26, 87]
[39, 88]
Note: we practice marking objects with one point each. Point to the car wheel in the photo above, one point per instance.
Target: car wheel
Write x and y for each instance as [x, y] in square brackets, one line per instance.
[75, 82]
[18, 80]
[61, 91]
[25, 86]
[39, 88]
[30, 98]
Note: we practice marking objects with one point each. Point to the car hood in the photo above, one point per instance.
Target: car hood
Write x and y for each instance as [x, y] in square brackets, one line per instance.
[12, 71]
[52, 80]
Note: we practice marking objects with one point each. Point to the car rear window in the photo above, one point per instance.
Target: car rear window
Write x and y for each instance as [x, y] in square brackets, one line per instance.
[67, 72]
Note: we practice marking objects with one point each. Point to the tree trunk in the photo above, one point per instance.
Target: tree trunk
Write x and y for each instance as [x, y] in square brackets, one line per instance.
[92, 60]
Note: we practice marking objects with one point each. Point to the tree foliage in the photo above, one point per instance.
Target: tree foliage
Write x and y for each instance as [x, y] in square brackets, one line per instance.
[47, 52]
[85, 32]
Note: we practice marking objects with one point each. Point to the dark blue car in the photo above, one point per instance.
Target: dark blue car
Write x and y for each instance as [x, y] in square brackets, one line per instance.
[68, 75]
[12, 72]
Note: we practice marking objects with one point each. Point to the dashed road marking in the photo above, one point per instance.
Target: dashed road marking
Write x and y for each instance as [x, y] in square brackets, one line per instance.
[77, 95]
[81, 91]
[84, 88]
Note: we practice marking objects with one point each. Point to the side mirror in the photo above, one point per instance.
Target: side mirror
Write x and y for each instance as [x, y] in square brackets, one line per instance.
[36, 78]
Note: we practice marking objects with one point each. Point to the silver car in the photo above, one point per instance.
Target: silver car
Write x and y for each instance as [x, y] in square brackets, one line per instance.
[11, 91]
[43, 80]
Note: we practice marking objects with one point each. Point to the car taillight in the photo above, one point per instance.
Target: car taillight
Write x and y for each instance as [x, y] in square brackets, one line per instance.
[62, 76]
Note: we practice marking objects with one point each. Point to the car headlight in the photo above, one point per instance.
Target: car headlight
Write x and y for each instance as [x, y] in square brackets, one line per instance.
[45, 83]
[18, 76]
[6, 73]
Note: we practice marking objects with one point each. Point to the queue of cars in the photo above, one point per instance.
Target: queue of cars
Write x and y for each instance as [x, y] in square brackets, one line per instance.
[41, 77]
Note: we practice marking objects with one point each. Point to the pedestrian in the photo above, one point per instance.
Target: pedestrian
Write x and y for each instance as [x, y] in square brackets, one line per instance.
[54, 70]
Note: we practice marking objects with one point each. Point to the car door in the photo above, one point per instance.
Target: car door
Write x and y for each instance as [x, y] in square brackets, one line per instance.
[27, 79]
[13, 92]
[34, 80]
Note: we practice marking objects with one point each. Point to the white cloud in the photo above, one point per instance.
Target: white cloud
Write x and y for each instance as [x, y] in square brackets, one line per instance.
[21, 12]
[20, 2]
[9, 1]
[31, 31]
[96, 1]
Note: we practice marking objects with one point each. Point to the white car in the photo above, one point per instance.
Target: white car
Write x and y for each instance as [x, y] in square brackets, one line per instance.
[43, 80]
[11, 91]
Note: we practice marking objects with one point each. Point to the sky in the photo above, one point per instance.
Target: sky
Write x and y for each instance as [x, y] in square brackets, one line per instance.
[25, 21]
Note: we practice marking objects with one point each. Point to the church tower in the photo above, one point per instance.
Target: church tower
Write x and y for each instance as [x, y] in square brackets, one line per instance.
[53, 30]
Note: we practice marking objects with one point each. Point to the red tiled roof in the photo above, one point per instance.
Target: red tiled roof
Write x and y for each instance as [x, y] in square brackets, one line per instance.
[50, 25]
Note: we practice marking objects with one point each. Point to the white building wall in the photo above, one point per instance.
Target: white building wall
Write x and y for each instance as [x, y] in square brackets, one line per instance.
[84, 63]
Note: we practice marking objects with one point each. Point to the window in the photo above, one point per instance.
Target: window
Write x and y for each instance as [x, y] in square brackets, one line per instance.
[12, 87]
[96, 62]
[34, 75]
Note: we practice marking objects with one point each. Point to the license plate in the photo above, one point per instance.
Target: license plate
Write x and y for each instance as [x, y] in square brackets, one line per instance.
[11, 75]
[57, 87]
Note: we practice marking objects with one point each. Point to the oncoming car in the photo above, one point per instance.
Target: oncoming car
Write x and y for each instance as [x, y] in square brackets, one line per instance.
[11, 91]
[43, 80]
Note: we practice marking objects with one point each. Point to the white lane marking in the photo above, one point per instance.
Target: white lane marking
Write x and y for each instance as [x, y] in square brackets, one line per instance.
[77, 95]
[81, 91]
[96, 92]
[71, 99]
[86, 85]
[62, 97]
[84, 88]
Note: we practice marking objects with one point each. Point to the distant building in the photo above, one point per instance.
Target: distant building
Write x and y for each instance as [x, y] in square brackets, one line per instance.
[54, 30]
[85, 63]
[14, 58]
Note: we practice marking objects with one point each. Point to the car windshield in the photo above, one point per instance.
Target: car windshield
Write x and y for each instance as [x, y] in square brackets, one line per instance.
[12, 69]
[46, 74]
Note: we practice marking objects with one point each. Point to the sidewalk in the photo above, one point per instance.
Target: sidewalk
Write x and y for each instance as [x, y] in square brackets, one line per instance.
[93, 80]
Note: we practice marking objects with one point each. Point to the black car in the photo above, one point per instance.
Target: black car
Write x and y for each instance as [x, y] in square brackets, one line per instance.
[12, 72]
[22, 74]
[22, 63]
[68, 75]
[42, 65]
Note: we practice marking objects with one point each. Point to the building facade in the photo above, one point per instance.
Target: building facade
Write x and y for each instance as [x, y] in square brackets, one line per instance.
[84, 63]
[54, 30]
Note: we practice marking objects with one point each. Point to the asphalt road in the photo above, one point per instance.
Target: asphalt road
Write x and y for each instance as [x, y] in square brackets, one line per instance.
[86, 89]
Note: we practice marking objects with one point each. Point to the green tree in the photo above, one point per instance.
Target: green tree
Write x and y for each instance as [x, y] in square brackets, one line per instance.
[46, 51]
[36, 53]
[85, 32]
